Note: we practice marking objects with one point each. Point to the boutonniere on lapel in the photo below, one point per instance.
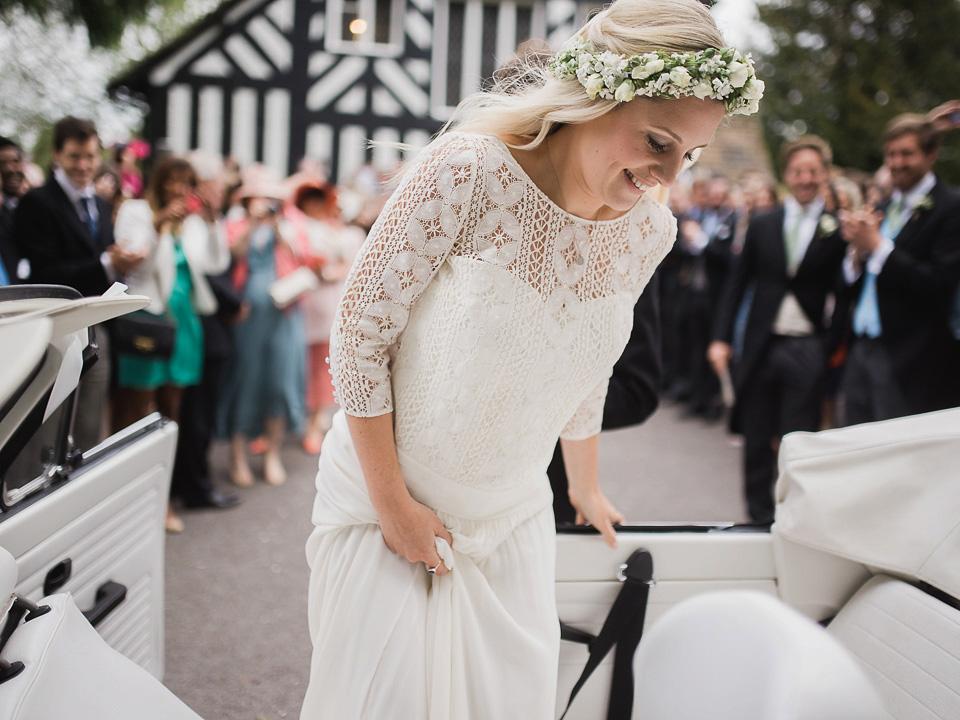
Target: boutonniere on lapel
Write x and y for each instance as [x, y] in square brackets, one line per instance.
[925, 204]
[828, 224]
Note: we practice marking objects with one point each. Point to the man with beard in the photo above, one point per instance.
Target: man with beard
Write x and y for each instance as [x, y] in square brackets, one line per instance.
[902, 270]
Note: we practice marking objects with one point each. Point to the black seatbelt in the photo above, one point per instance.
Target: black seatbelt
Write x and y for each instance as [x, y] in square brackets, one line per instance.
[623, 628]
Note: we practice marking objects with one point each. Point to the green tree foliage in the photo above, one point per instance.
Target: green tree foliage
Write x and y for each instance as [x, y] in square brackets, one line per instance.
[842, 69]
[105, 20]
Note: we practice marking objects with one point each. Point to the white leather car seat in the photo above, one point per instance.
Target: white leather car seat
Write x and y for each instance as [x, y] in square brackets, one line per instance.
[909, 644]
[70, 671]
[744, 655]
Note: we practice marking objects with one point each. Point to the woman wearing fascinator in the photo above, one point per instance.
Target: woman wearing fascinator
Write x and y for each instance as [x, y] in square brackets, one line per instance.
[480, 322]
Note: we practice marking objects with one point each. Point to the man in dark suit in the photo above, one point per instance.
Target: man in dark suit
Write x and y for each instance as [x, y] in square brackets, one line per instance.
[902, 272]
[14, 185]
[791, 257]
[633, 393]
[704, 245]
[66, 233]
[191, 481]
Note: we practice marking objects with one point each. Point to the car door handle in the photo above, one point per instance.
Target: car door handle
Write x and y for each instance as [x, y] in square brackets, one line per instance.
[109, 596]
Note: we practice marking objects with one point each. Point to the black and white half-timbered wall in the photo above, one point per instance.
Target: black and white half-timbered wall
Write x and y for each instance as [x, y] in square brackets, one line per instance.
[274, 81]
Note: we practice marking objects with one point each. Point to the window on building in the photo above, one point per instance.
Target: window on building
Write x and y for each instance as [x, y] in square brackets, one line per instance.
[368, 27]
[480, 34]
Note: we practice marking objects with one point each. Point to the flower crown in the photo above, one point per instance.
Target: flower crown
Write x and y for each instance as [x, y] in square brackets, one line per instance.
[716, 74]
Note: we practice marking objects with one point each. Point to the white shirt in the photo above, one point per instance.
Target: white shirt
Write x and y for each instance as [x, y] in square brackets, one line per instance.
[791, 319]
[911, 198]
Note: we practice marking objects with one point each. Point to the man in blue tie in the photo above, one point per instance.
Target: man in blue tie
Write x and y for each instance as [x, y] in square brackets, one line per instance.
[66, 233]
[901, 269]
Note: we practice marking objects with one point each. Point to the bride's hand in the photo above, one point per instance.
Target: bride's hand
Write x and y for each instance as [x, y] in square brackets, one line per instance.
[410, 531]
[593, 507]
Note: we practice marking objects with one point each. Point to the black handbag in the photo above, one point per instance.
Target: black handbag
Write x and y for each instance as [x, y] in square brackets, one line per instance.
[143, 334]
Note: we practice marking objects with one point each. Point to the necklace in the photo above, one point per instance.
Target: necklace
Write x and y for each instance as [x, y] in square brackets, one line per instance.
[581, 246]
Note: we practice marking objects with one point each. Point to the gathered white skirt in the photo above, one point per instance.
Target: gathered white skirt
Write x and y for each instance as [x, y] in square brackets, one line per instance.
[393, 642]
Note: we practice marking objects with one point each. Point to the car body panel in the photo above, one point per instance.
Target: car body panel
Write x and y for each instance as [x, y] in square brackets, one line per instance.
[107, 519]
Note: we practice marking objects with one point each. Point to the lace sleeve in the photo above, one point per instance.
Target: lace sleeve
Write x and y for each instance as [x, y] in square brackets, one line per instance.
[406, 246]
[588, 418]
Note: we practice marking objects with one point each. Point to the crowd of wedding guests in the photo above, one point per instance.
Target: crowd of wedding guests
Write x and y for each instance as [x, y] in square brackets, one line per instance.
[822, 298]
[828, 298]
[243, 269]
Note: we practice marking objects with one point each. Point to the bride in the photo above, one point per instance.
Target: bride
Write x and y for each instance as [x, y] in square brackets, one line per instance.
[480, 322]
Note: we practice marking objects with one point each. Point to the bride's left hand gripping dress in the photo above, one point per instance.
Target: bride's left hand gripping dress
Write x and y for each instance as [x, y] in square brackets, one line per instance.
[488, 321]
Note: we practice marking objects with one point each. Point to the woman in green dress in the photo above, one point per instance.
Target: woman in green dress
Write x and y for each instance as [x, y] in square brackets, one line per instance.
[179, 230]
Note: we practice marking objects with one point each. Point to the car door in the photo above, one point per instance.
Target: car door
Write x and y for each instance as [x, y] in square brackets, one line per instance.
[88, 521]
[687, 560]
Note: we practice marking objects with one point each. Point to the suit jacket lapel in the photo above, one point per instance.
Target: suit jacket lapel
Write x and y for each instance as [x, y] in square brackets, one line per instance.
[816, 243]
[778, 243]
[917, 218]
[80, 228]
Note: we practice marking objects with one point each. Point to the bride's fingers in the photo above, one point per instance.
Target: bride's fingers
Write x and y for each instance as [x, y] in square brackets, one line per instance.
[609, 534]
[437, 567]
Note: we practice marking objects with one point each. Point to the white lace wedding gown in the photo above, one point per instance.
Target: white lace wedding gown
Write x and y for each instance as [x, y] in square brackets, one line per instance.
[488, 320]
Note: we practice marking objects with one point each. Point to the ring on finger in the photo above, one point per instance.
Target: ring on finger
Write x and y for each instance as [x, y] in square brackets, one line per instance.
[433, 570]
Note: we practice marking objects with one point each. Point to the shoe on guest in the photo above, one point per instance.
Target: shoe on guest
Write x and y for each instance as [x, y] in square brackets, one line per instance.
[312, 445]
[273, 470]
[212, 499]
[173, 523]
[241, 476]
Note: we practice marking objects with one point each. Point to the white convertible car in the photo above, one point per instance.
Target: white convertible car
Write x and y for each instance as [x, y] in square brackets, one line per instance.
[845, 609]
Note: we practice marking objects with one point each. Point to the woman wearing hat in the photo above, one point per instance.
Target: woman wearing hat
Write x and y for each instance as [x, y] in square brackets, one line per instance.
[264, 387]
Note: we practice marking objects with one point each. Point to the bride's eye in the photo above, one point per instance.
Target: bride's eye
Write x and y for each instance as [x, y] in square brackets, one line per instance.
[656, 145]
[691, 157]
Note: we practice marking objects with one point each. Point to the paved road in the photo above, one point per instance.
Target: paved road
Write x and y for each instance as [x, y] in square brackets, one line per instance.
[237, 644]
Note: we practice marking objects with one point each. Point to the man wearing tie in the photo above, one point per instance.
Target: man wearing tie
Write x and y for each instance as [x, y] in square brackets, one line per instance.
[902, 270]
[791, 257]
[66, 233]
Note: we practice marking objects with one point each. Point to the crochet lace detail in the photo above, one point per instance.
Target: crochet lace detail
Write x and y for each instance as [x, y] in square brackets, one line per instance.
[486, 317]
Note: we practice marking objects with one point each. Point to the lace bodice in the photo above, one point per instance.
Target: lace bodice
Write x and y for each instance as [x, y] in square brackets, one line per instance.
[486, 317]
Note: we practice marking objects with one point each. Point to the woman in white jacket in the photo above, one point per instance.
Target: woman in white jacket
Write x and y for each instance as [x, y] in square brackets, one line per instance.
[179, 231]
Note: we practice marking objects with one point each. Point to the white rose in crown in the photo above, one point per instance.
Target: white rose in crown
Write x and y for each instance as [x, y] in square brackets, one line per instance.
[703, 89]
[828, 224]
[650, 67]
[680, 77]
[625, 91]
[739, 74]
[753, 90]
[594, 85]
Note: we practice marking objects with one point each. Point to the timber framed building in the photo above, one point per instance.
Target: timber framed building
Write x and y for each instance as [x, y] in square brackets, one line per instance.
[274, 81]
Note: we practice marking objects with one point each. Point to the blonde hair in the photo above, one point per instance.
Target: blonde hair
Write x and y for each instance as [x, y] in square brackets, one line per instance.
[528, 102]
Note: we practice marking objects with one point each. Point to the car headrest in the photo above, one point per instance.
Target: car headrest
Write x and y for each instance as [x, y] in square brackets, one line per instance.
[744, 655]
[884, 494]
[26, 343]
